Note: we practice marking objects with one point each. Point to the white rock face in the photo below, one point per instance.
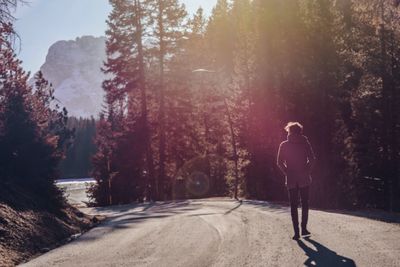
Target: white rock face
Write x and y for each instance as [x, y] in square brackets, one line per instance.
[74, 69]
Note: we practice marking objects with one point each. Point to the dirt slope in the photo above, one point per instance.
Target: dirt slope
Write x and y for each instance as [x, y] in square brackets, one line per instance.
[28, 229]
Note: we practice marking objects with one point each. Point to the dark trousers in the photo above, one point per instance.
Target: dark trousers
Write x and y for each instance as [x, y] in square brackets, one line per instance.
[294, 203]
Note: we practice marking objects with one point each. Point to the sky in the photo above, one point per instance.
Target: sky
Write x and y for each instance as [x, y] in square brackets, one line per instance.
[41, 23]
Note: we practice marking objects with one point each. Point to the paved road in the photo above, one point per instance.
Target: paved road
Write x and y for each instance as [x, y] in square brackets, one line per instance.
[223, 232]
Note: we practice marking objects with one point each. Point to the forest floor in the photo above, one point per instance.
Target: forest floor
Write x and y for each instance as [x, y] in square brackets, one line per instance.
[223, 232]
[28, 228]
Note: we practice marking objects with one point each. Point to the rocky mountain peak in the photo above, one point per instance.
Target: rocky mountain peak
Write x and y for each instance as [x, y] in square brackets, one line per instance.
[74, 69]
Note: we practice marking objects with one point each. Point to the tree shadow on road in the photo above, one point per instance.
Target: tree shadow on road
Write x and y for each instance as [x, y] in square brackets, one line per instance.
[274, 207]
[127, 216]
[378, 215]
[234, 208]
[323, 256]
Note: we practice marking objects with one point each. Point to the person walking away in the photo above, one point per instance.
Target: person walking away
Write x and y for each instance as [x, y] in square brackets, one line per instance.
[295, 159]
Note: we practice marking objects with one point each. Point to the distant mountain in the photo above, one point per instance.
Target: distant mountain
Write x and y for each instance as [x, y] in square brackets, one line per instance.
[73, 67]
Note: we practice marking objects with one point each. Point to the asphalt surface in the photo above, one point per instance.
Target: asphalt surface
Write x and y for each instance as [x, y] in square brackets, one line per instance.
[222, 232]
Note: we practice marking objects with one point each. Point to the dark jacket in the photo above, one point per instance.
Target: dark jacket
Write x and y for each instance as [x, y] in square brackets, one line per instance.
[295, 159]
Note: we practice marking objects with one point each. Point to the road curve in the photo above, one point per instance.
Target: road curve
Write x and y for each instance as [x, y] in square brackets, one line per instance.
[222, 232]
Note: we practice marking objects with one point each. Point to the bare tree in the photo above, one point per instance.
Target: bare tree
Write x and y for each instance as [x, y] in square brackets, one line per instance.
[7, 8]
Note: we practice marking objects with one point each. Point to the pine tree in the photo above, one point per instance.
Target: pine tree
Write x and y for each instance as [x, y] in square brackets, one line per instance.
[140, 20]
[195, 127]
[118, 164]
[373, 105]
[77, 161]
[213, 96]
[220, 37]
[33, 132]
[241, 89]
[121, 111]
[167, 17]
[106, 146]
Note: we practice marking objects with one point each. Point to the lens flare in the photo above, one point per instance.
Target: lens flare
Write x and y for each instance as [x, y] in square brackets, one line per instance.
[198, 184]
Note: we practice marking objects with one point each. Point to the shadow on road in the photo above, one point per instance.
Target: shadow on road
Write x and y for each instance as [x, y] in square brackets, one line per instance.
[379, 215]
[283, 207]
[236, 207]
[125, 216]
[273, 207]
[323, 256]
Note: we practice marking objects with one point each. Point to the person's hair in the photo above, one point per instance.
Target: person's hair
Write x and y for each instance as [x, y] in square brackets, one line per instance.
[294, 127]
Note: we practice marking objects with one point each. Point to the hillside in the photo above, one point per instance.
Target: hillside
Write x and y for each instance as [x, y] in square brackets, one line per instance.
[29, 227]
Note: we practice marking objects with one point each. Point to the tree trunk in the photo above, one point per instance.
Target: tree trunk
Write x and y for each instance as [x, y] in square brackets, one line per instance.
[161, 180]
[386, 84]
[150, 175]
[234, 148]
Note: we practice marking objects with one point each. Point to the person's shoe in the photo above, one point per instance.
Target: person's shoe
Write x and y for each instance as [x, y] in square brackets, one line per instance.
[296, 236]
[305, 232]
